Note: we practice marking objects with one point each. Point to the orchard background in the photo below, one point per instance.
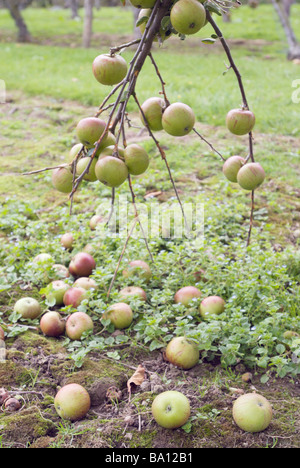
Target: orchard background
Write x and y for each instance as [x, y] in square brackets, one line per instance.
[49, 87]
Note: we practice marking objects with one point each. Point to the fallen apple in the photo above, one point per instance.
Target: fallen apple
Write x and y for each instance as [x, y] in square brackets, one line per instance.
[109, 69]
[85, 283]
[62, 179]
[95, 220]
[67, 240]
[89, 130]
[211, 305]
[186, 295]
[182, 353]
[240, 121]
[82, 264]
[232, 166]
[55, 291]
[2, 334]
[77, 324]
[52, 324]
[74, 296]
[252, 412]
[28, 308]
[152, 112]
[171, 409]
[72, 402]
[138, 268]
[120, 315]
[251, 176]
[188, 16]
[60, 271]
[178, 119]
[43, 258]
[111, 171]
[136, 159]
[130, 292]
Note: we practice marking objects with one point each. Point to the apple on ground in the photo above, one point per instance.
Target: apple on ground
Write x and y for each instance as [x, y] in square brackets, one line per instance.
[188, 16]
[240, 121]
[56, 291]
[138, 268]
[67, 240]
[60, 271]
[152, 112]
[2, 334]
[186, 295]
[85, 283]
[62, 179]
[182, 353]
[211, 305]
[95, 220]
[43, 258]
[120, 315]
[252, 412]
[72, 402]
[109, 69]
[77, 324]
[232, 166]
[132, 291]
[74, 296]
[171, 409]
[82, 264]
[251, 176]
[52, 324]
[178, 119]
[28, 308]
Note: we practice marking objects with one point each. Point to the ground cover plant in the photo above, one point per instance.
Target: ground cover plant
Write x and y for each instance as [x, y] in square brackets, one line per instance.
[260, 285]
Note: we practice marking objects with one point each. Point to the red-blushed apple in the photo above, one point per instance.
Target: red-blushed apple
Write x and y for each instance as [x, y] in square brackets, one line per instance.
[171, 409]
[77, 324]
[252, 412]
[120, 315]
[85, 282]
[240, 121]
[2, 334]
[74, 296]
[109, 69]
[72, 402]
[67, 240]
[186, 295]
[55, 291]
[62, 179]
[152, 110]
[178, 119]
[251, 176]
[182, 353]
[111, 171]
[82, 264]
[138, 268]
[82, 165]
[28, 308]
[60, 271]
[89, 130]
[52, 324]
[136, 159]
[211, 305]
[188, 16]
[130, 292]
[95, 220]
[232, 166]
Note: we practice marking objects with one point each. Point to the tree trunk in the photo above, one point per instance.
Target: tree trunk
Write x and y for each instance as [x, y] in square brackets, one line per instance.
[294, 45]
[73, 5]
[226, 16]
[88, 23]
[23, 33]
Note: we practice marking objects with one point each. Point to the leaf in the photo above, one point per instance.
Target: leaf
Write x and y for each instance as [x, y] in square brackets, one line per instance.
[136, 379]
[208, 40]
[142, 20]
[165, 22]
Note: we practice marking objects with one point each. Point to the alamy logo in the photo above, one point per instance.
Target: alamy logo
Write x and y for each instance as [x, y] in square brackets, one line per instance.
[2, 92]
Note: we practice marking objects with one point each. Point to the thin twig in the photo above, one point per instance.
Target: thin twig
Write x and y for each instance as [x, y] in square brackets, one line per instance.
[208, 143]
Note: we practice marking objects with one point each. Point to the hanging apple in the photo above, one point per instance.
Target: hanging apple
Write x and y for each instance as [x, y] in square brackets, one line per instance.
[89, 130]
[188, 16]
[240, 121]
[153, 111]
[136, 159]
[251, 176]
[111, 171]
[109, 69]
[232, 166]
[62, 179]
[178, 119]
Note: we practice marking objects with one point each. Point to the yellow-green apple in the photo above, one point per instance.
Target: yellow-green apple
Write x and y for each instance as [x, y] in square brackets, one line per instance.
[52, 324]
[136, 159]
[74, 151]
[211, 305]
[95, 220]
[82, 165]
[186, 295]
[120, 315]
[178, 119]
[28, 308]
[89, 130]
[182, 353]
[77, 324]
[55, 291]
[240, 121]
[74, 296]
[85, 282]
[67, 240]
[72, 402]
[171, 409]
[111, 171]
[138, 268]
[188, 16]
[252, 412]
[108, 140]
[232, 166]
[82, 264]
[112, 150]
[153, 111]
[109, 69]
[43, 258]
[251, 176]
[130, 292]
[62, 179]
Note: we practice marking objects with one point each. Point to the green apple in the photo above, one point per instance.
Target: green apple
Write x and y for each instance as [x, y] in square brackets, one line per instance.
[153, 111]
[182, 353]
[52, 324]
[62, 179]
[138, 268]
[55, 291]
[28, 308]
[252, 412]
[78, 323]
[136, 159]
[188, 16]
[74, 152]
[72, 402]
[108, 140]
[109, 69]
[251, 176]
[186, 295]
[85, 283]
[240, 121]
[89, 130]
[120, 315]
[81, 166]
[111, 171]
[178, 119]
[211, 305]
[232, 166]
[171, 409]
[145, 13]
